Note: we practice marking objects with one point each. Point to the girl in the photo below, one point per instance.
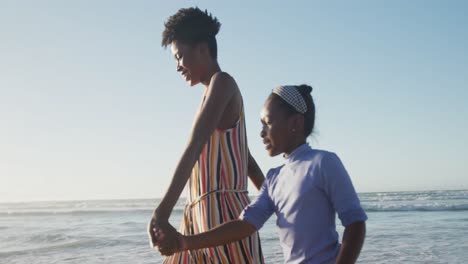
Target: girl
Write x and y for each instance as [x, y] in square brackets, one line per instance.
[305, 193]
[216, 160]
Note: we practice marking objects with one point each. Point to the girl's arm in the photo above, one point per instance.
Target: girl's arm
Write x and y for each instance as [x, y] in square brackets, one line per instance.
[345, 201]
[226, 233]
[255, 173]
[353, 239]
[221, 90]
[251, 219]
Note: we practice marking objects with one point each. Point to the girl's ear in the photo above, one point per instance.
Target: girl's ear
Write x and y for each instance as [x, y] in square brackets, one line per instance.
[297, 123]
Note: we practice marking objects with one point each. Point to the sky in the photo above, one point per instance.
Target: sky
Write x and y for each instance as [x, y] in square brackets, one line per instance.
[91, 105]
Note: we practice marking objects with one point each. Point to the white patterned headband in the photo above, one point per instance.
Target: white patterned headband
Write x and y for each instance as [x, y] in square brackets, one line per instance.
[291, 95]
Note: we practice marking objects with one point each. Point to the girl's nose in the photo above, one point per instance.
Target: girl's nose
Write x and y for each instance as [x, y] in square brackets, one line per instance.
[262, 133]
[179, 68]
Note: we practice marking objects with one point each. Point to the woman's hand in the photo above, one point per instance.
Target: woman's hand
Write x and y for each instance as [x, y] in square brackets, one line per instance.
[169, 241]
[155, 225]
[163, 236]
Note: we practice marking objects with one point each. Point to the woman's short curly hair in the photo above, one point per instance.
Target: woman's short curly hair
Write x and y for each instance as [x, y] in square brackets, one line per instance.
[192, 26]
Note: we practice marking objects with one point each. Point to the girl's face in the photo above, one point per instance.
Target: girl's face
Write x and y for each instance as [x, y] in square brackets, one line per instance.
[276, 129]
[188, 61]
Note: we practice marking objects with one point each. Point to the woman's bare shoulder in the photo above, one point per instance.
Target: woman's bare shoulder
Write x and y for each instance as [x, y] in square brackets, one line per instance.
[224, 80]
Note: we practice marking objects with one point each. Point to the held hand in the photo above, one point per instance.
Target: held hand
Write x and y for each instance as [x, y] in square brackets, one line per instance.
[154, 227]
[169, 241]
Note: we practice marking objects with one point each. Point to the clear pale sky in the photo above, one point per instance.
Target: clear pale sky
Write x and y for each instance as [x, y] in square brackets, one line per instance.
[91, 106]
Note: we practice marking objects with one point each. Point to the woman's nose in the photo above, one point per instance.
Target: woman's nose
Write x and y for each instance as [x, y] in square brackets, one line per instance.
[179, 68]
[262, 133]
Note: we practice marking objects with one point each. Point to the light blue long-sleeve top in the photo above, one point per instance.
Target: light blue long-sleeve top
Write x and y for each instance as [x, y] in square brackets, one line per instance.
[305, 194]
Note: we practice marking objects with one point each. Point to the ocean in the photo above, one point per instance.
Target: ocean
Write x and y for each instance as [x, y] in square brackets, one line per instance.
[403, 227]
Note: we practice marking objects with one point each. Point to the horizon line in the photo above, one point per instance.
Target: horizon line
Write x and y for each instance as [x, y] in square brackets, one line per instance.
[184, 197]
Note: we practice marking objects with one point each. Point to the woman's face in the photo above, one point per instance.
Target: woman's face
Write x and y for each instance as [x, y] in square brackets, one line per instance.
[275, 128]
[188, 61]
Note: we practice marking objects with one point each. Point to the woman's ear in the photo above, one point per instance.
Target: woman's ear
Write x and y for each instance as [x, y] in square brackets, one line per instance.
[203, 49]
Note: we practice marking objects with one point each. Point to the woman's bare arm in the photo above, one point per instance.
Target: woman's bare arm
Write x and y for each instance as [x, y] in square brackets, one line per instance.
[221, 90]
[255, 173]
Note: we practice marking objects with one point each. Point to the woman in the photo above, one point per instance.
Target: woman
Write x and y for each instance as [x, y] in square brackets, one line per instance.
[216, 160]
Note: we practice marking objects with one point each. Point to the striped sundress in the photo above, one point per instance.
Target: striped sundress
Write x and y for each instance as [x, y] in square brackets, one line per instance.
[218, 193]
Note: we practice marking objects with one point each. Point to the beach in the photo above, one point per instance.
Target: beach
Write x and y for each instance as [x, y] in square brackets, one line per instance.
[403, 227]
